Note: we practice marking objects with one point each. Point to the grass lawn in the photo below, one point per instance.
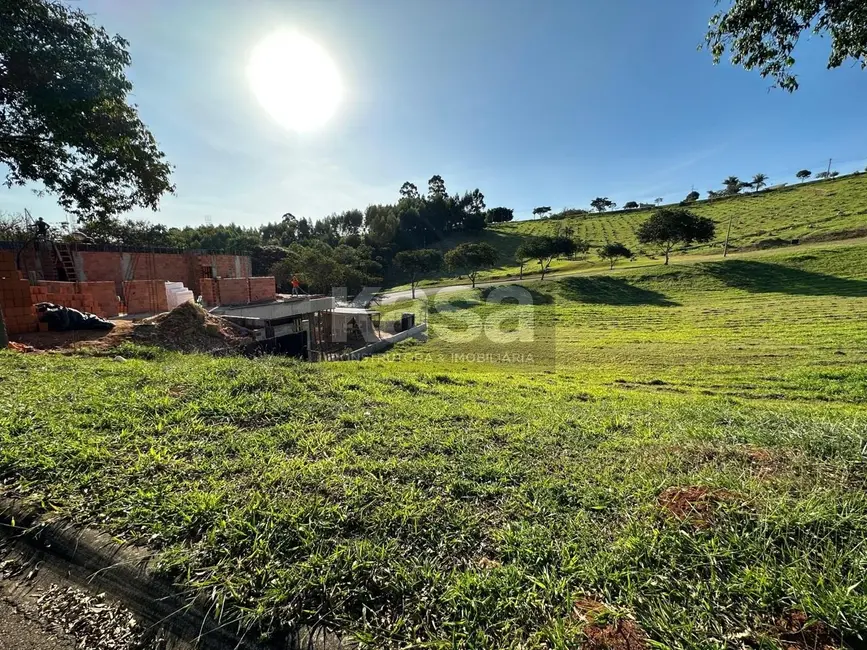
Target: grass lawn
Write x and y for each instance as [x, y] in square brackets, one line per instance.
[817, 211]
[687, 466]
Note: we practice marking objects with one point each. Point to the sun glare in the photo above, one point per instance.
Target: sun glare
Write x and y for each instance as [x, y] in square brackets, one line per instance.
[295, 80]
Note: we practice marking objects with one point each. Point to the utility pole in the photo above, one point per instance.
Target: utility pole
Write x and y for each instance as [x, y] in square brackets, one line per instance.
[728, 234]
[829, 166]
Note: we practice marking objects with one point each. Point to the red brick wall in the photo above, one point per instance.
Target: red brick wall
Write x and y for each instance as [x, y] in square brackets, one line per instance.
[101, 267]
[233, 291]
[15, 300]
[262, 289]
[145, 296]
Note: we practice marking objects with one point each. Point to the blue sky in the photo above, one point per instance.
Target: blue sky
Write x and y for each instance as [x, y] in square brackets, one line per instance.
[535, 103]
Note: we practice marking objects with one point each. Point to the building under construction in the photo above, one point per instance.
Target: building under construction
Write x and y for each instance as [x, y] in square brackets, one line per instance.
[114, 281]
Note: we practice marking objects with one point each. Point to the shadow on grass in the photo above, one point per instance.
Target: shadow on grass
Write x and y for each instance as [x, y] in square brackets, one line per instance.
[501, 293]
[604, 290]
[761, 277]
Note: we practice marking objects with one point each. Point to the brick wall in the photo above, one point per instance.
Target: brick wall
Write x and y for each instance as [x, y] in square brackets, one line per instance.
[68, 294]
[262, 289]
[15, 300]
[233, 291]
[145, 296]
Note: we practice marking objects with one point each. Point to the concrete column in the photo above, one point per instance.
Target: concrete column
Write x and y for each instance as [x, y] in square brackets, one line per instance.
[78, 261]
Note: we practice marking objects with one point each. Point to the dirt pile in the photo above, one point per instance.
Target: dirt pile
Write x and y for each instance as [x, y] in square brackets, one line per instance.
[189, 328]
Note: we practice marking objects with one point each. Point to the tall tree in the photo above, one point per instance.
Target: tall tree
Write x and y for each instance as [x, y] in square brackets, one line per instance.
[659, 200]
[471, 258]
[762, 34]
[546, 249]
[630, 205]
[602, 203]
[759, 181]
[499, 215]
[733, 185]
[669, 227]
[436, 187]
[409, 191]
[803, 175]
[692, 197]
[418, 262]
[541, 211]
[611, 252]
[64, 117]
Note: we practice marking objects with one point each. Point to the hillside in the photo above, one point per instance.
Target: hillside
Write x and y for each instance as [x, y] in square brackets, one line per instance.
[817, 211]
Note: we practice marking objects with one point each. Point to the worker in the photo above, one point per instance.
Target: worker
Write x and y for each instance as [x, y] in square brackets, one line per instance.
[296, 285]
[42, 229]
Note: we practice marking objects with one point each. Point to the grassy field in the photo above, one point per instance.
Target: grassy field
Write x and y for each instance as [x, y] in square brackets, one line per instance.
[682, 464]
[817, 211]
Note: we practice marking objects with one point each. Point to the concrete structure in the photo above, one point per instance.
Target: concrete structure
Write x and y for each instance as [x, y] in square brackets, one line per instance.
[296, 326]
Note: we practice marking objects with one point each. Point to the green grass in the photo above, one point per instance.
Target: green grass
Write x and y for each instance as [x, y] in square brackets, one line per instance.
[419, 501]
[817, 211]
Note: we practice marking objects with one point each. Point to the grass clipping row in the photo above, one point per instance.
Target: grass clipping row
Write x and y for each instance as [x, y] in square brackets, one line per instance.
[189, 328]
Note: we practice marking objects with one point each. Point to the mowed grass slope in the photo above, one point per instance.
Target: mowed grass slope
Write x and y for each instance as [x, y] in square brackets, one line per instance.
[693, 464]
[816, 211]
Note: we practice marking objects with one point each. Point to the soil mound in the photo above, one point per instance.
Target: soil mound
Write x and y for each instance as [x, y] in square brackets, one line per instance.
[189, 328]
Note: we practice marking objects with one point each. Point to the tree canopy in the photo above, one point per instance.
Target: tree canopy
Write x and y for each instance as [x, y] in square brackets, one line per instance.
[418, 262]
[546, 249]
[804, 174]
[611, 252]
[763, 35]
[499, 215]
[601, 204]
[471, 258]
[64, 117]
[669, 227]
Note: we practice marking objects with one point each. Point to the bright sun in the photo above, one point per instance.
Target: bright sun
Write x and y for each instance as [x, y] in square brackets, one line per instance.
[295, 80]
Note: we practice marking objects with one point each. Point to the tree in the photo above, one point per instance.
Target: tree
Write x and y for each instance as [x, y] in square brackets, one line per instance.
[630, 205]
[803, 175]
[671, 226]
[409, 191]
[659, 201]
[834, 174]
[759, 181]
[601, 204]
[417, 262]
[611, 252]
[546, 249]
[692, 197]
[733, 184]
[823, 175]
[436, 186]
[471, 258]
[64, 116]
[541, 211]
[522, 256]
[763, 35]
[499, 215]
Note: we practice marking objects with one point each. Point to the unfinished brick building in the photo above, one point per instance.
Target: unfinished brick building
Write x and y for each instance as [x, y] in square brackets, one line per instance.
[109, 280]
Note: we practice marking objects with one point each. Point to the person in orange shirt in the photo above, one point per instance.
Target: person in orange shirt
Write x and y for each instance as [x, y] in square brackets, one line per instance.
[296, 285]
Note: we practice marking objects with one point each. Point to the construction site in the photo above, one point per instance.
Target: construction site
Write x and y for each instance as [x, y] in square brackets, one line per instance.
[59, 294]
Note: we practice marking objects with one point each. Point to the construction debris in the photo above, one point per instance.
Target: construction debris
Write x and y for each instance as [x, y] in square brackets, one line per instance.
[189, 328]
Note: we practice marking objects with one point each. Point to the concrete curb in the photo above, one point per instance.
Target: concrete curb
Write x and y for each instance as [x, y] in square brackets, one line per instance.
[96, 561]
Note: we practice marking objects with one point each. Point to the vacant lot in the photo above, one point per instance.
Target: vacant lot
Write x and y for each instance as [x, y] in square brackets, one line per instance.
[687, 468]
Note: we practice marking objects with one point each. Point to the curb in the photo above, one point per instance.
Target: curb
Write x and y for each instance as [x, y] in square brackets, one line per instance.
[96, 561]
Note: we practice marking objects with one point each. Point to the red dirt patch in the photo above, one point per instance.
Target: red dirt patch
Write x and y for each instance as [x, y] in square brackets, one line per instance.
[796, 631]
[587, 608]
[694, 503]
[621, 635]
